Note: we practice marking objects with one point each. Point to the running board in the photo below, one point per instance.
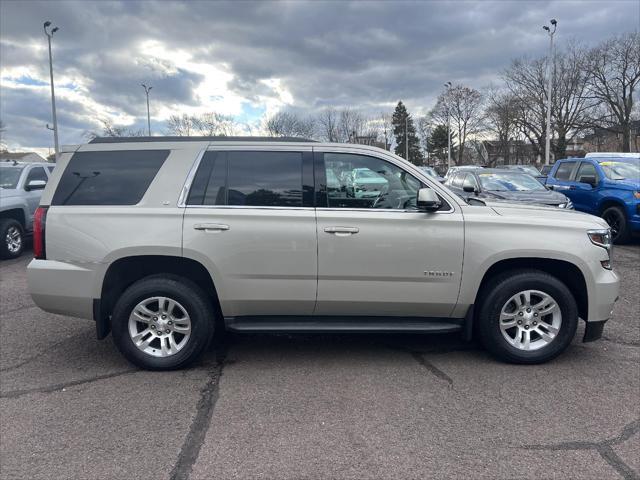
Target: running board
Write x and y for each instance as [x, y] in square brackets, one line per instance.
[343, 324]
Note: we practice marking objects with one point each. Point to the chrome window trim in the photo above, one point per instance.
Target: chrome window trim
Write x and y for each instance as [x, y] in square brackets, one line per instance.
[383, 155]
[184, 193]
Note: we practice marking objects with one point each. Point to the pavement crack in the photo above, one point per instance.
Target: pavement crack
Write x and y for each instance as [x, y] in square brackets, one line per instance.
[58, 387]
[33, 357]
[200, 424]
[431, 368]
[604, 448]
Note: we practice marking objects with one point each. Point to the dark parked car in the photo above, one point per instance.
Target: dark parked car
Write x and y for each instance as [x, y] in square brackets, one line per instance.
[505, 185]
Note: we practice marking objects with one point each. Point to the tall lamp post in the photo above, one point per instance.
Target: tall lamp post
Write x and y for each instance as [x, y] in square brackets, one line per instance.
[146, 91]
[49, 34]
[448, 87]
[406, 137]
[550, 31]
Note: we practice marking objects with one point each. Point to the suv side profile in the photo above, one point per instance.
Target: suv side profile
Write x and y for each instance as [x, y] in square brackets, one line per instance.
[161, 240]
[21, 186]
[604, 185]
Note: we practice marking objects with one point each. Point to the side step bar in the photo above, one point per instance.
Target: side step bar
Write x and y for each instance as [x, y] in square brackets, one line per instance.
[343, 324]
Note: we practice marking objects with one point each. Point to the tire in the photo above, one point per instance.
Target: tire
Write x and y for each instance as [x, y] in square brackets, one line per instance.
[11, 238]
[551, 333]
[188, 299]
[617, 220]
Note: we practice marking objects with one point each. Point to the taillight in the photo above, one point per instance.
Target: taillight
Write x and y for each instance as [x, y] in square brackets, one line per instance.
[39, 224]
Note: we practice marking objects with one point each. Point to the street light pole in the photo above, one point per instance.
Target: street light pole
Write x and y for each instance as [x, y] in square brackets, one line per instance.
[448, 86]
[146, 91]
[47, 24]
[547, 150]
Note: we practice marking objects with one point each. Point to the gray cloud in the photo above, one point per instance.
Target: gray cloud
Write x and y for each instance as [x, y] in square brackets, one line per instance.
[362, 54]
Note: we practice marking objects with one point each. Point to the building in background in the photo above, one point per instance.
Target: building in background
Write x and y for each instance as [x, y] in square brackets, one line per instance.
[30, 157]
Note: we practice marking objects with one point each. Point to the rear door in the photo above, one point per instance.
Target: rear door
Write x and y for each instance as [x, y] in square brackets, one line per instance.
[378, 255]
[249, 216]
[562, 178]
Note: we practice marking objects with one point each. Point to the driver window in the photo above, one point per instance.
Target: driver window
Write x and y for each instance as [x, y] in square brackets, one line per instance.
[359, 181]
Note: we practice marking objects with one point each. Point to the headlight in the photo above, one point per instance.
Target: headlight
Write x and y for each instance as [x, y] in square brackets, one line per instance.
[562, 205]
[569, 205]
[602, 238]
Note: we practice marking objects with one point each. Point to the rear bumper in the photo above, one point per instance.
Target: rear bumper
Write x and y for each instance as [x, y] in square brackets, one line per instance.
[62, 288]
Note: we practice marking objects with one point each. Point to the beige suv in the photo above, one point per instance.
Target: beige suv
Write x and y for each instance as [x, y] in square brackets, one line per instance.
[159, 240]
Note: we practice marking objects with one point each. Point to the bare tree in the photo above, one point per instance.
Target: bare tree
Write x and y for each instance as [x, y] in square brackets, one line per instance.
[213, 124]
[614, 75]
[181, 125]
[501, 116]
[328, 125]
[351, 124]
[462, 106]
[386, 126]
[109, 129]
[570, 104]
[289, 124]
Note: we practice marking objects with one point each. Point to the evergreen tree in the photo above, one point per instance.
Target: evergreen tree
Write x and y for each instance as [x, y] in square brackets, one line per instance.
[403, 129]
[438, 143]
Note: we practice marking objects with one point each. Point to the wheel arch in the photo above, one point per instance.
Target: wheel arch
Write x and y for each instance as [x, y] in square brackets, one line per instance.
[16, 214]
[124, 271]
[611, 202]
[568, 273]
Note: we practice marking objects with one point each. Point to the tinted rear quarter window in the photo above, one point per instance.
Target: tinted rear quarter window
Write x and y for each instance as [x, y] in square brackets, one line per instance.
[564, 170]
[108, 178]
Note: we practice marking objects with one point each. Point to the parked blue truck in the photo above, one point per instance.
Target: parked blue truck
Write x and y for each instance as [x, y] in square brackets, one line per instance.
[605, 185]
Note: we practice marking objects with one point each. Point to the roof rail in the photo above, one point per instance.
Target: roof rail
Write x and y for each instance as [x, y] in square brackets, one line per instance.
[198, 139]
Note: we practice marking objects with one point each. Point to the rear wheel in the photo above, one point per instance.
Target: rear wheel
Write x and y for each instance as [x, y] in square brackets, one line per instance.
[617, 221]
[527, 317]
[12, 238]
[162, 322]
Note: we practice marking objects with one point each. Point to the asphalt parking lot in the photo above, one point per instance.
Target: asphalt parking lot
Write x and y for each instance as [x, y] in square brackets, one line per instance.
[330, 406]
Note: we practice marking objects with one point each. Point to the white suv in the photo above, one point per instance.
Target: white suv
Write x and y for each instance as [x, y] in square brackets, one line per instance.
[159, 240]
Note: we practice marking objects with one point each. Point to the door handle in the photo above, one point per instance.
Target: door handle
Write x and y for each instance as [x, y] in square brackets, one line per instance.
[211, 227]
[342, 231]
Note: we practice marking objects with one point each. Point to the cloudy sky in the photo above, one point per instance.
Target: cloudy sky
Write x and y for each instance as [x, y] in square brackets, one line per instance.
[250, 59]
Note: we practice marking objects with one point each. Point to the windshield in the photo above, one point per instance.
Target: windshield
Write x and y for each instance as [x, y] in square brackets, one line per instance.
[9, 176]
[530, 170]
[509, 181]
[429, 171]
[621, 170]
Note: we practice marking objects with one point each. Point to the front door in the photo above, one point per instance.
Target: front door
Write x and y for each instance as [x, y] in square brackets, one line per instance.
[378, 255]
[247, 221]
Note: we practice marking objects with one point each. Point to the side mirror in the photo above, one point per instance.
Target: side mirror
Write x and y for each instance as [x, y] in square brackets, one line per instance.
[590, 179]
[35, 185]
[468, 189]
[428, 201]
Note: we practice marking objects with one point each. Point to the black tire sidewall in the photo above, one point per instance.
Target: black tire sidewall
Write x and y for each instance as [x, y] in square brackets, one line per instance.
[623, 231]
[497, 295]
[5, 224]
[189, 296]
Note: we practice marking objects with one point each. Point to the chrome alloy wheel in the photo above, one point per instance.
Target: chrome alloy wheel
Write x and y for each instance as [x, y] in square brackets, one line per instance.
[159, 326]
[13, 240]
[530, 320]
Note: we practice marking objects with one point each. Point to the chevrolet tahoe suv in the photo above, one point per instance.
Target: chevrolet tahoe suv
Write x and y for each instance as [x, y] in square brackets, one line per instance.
[161, 240]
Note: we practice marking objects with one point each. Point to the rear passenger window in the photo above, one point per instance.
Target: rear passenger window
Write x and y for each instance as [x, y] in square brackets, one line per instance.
[108, 178]
[564, 170]
[257, 179]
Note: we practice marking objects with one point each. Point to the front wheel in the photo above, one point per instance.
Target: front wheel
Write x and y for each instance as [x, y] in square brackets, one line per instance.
[162, 322]
[527, 317]
[12, 238]
[617, 221]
